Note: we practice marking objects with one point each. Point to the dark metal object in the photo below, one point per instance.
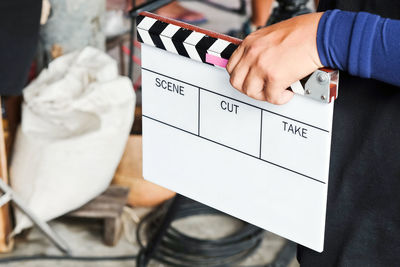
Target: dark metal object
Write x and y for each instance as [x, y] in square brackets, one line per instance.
[148, 6]
[145, 255]
[172, 247]
[131, 47]
[9, 195]
[241, 10]
[162, 240]
[287, 9]
[285, 255]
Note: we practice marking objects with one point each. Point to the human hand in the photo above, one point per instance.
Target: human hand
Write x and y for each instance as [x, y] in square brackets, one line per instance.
[269, 60]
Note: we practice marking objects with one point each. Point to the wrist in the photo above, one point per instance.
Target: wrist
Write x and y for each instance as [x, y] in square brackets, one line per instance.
[317, 59]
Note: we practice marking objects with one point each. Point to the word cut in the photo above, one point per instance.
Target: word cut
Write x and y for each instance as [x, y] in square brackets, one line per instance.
[229, 106]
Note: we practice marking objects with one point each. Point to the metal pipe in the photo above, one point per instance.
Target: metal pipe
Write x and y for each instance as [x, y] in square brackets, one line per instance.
[42, 226]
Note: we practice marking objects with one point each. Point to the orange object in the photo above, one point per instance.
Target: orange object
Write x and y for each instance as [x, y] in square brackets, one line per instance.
[6, 244]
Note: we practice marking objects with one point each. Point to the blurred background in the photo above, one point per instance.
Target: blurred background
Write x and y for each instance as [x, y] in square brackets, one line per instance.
[71, 160]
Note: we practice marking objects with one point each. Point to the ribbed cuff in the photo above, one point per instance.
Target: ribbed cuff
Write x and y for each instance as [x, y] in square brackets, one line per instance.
[345, 41]
[333, 38]
[363, 44]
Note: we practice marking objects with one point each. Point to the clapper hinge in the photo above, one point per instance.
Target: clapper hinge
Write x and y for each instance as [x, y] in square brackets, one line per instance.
[322, 85]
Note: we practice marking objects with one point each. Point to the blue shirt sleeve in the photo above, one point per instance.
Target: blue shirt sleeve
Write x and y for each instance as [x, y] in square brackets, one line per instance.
[361, 43]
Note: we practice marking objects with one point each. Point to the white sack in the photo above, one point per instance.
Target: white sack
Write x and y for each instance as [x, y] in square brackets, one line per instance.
[76, 119]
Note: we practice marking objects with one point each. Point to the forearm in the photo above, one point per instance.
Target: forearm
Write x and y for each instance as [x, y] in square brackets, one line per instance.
[363, 44]
[261, 10]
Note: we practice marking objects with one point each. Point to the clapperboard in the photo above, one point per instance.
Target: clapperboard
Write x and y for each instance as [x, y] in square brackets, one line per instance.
[262, 163]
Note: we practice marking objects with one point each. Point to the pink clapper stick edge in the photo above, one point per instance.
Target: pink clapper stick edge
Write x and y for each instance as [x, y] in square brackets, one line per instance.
[216, 60]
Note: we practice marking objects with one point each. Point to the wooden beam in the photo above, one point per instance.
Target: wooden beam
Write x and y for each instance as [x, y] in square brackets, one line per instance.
[6, 244]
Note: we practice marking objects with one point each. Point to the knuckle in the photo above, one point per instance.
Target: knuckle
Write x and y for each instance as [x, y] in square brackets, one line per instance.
[249, 38]
[272, 76]
[284, 102]
[255, 48]
[252, 51]
[245, 88]
[272, 97]
[262, 63]
[245, 42]
[229, 63]
[229, 67]
[279, 102]
[253, 94]
[234, 82]
[274, 101]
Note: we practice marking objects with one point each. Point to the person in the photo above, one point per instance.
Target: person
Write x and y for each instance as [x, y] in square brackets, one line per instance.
[262, 14]
[19, 27]
[177, 11]
[173, 10]
[259, 16]
[362, 39]
[117, 22]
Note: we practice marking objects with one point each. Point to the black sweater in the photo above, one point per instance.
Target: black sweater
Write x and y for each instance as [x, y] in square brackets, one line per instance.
[363, 213]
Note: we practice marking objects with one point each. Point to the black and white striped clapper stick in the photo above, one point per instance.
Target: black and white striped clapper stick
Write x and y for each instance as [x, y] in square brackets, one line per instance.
[215, 49]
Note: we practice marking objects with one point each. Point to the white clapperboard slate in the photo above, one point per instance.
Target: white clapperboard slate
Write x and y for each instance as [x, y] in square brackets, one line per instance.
[265, 164]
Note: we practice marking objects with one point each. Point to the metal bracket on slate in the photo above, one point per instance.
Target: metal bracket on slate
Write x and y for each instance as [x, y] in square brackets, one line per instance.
[323, 85]
[215, 49]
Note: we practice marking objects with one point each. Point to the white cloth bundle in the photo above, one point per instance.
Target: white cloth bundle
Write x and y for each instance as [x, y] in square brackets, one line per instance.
[76, 119]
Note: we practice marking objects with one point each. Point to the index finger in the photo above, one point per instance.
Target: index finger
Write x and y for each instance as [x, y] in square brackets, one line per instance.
[234, 59]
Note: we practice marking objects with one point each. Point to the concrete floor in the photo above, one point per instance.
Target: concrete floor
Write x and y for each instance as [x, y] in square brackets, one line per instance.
[85, 237]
